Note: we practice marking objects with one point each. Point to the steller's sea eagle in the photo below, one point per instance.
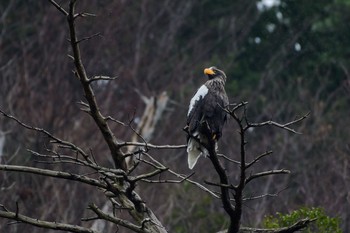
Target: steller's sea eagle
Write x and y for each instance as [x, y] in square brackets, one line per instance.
[206, 116]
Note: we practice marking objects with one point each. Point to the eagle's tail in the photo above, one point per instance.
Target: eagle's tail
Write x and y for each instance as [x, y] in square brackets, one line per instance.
[195, 150]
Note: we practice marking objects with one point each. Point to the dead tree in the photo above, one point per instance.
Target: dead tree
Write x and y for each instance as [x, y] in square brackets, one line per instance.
[232, 195]
[117, 184]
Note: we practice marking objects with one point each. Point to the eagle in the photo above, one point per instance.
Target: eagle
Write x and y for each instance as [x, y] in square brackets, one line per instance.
[206, 116]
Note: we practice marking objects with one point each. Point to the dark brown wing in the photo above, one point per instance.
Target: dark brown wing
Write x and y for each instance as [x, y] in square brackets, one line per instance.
[208, 109]
[214, 113]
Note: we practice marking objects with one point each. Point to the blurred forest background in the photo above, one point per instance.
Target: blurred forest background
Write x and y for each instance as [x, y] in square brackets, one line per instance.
[285, 57]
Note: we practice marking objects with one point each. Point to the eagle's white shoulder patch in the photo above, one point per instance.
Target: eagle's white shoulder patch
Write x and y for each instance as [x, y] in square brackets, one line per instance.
[202, 91]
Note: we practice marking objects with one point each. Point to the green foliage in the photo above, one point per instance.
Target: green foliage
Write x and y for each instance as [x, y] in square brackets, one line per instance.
[323, 223]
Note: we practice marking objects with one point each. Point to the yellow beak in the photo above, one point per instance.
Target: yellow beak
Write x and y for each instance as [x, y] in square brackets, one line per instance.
[209, 71]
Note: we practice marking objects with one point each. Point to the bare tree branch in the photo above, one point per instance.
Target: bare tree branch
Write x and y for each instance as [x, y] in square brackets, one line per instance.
[229, 159]
[263, 195]
[54, 138]
[282, 126]
[200, 186]
[224, 181]
[169, 181]
[69, 159]
[101, 77]
[56, 174]
[99, 119]
[266, 173]
[59, 7]
[258, 158]
[118, 221]
[148, 175]
[44, 224]
[89, 38]
[149, 145]
[221, 185]
[235, 210]
[84, 14]
[301, 224]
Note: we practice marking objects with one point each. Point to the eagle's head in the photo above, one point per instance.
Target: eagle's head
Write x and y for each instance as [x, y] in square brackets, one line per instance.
[214, 72]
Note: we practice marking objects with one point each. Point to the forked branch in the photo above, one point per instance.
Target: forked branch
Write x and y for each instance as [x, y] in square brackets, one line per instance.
[94, 111]
[239, 113]
[282, 126]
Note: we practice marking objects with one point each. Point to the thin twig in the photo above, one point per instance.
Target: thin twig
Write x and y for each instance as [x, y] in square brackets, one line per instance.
[84, 14]
[121, 222]
[263, 195]
[235, 108]
[266, 173]
[59, 7]
[147, 175]
[258, 158]
[100, 77]
[109, 118]
[54, 138]
[88, 38]
[200, 186]
[169, 181]
[229, 186]
[228, 159]
[282, 126]
[149, 145]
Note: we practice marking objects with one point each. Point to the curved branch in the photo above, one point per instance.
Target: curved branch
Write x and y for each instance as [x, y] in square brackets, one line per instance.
[55, 174]
[266, 173]
[303, 223]
[45, 224]
[54, 138]
[118, 221]
[282, 126]
[258, 158]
